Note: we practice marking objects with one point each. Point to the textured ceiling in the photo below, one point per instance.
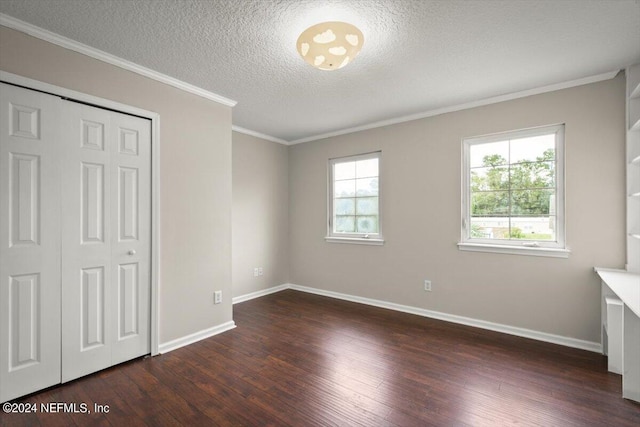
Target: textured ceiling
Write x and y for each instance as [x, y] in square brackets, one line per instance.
[417, 56]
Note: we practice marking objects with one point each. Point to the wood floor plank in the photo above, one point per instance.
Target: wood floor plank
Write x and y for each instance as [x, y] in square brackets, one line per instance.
[297, 359]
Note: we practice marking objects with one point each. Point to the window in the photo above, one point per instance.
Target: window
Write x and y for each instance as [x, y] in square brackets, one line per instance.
[513, 192]
[354, 199]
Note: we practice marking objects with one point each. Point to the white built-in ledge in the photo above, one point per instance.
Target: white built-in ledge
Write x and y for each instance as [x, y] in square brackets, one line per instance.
[355, 240]
[514, 250]
[624, 284]
[626, 287]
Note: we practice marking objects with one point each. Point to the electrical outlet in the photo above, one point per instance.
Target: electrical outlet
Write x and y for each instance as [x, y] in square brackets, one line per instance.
[217, 297]
[260, 271]
[427, 285]
[256, 272]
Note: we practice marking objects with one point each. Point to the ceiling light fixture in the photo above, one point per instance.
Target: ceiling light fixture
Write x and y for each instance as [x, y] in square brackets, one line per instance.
[330, 45]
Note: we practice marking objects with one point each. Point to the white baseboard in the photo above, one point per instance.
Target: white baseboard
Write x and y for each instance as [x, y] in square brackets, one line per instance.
[195, 337]
[482, 324]
[511, 330]
[258, 294]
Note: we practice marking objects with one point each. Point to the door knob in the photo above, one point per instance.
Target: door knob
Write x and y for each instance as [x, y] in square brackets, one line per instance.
[132, 252]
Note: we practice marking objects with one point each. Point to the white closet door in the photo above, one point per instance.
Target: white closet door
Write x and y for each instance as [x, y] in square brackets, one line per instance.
[29, 241]
[86, 241]
[131, 236]
[105, 239]
[75, 238]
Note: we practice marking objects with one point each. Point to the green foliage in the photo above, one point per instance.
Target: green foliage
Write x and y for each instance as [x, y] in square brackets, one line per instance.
[500, 189]
[477, 232]
[538, 236]
[516, 233]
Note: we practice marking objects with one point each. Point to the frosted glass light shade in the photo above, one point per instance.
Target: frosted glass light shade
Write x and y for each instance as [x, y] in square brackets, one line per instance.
[330, 45]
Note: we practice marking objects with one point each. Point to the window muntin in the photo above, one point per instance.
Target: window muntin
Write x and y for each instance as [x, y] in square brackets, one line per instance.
[514, 188]
[354, 196]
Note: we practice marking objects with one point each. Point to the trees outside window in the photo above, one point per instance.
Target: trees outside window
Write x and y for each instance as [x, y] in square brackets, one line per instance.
[513, 188]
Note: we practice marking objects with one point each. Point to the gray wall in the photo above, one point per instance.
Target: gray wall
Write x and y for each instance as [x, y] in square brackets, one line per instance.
[195, 170]
[421, 181]
[260, 213]
[421, 204]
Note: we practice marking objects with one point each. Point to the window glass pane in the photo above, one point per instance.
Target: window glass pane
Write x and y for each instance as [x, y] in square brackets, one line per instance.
[367, 224]
[512, 188]
[345, 188]
[345, 206]
[533, 175]
[531, 202]
[355, 195]
[489, 228]
[533, 228]
[367, 187]
[345, 170]
[367, 168]
[490, 179]
[367, 205]
[533, 149]
[489, 154]
[490, 203]
[345, 224]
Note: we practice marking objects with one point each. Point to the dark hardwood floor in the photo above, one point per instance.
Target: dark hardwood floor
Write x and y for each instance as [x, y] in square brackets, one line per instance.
[305, 360]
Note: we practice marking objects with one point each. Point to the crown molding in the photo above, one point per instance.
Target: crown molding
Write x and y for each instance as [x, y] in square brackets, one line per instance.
[40, 33]
[487, 101]
[48, 36]
[259, 135]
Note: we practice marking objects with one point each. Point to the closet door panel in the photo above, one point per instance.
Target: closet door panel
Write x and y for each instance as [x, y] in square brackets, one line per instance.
[131, 170]
[29, 241]
[86, 242]
[106, 240]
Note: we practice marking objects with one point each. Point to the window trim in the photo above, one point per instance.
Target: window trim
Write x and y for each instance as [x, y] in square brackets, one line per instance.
[557, 248]
[355, 238]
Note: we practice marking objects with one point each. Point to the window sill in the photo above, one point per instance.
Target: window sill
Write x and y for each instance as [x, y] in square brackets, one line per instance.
[355, 240]
[514, 250]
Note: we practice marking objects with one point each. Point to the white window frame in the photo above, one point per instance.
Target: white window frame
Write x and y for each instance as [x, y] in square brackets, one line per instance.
[556, 248]
[354, 238]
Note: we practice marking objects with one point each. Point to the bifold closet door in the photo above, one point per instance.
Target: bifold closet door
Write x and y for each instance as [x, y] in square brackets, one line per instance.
[75, 236]
[29, 241]
[106, 228]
